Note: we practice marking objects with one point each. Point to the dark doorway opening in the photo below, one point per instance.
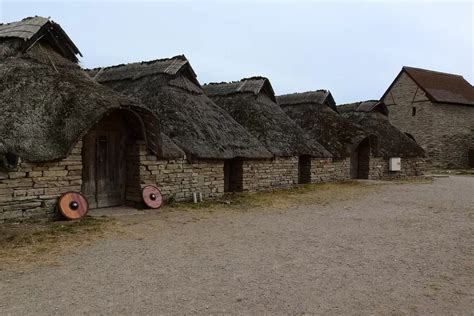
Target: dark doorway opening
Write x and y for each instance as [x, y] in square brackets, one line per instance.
[304, 169]
[233, 175]
[360, 160]
[107, 168]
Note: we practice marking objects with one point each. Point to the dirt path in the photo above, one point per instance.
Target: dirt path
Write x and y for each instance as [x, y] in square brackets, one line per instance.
[389, 249]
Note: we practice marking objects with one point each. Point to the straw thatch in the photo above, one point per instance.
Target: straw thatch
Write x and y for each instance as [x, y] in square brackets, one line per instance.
[372, 115]
[193, 121]
[309, 97]
[314, 112]
[31, 30]
[251, 102]
[48, 102]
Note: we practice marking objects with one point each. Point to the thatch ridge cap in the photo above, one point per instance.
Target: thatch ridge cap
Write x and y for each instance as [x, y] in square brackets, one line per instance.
[236, 81]
[144, 62]
[301, 94]
[368, 106]
[166, 66]
[254, 85]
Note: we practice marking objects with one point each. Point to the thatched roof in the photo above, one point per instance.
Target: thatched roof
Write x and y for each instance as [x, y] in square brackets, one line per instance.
[337, 134]
[366, 106]
[392, 142]
[254, 85]
[47, 103]
[256, 110]
[169, 149]
[32, 29]
[314, 97]
[194, 122]
[439, 86]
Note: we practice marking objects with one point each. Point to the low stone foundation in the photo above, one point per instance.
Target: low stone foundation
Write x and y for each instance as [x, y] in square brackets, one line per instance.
[341, 170]
[264, 174]
[411, 167]
[323, 170]
[176, 178]
[33, 189]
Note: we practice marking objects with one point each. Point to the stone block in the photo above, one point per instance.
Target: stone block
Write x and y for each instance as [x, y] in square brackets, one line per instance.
[56, 173]
[16, 175]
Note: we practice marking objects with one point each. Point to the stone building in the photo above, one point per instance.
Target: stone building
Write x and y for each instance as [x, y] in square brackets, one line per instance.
[351, 145]
[296, 157]
[210, 138]
[48, 105]
[437, 110]
[61, 131]
[391, 142]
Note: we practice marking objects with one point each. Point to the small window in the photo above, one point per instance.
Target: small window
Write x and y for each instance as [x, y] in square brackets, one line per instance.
[8, 161]
[413, 111]
[410, 136]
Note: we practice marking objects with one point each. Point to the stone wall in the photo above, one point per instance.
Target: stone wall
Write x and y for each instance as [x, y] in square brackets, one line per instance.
[410, 168]
[325, 169]
[341, 169]
[445, 131]
[265, 174]
[32, 190]
[177, 178]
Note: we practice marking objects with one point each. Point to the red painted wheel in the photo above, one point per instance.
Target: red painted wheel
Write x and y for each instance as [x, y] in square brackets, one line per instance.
[152, 196]
[73, 205]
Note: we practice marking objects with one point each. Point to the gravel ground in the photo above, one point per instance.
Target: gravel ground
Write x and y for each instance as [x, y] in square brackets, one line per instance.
[385, 249]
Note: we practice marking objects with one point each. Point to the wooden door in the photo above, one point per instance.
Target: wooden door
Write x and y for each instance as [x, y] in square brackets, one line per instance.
[104, 174]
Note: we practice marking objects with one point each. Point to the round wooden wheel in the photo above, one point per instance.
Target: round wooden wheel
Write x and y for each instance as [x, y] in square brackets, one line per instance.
[152, 196]
[73, 205]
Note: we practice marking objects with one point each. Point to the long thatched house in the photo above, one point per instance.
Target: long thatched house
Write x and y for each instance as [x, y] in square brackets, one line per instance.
[437, 109]
[392, 144]
[351, 145]
[209, 136]
[61, 131]
[297, 158]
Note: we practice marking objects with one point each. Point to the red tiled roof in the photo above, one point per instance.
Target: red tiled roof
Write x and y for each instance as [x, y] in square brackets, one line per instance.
[442, 87]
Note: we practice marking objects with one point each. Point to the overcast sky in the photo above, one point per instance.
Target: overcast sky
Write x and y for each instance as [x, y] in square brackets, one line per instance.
[355, 49]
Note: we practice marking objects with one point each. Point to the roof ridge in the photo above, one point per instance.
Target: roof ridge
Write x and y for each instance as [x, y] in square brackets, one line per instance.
[432, 71]
[237, 81]
[144, 62]
[254, 78]
[26, 19]
[309, 91]
[363, 101]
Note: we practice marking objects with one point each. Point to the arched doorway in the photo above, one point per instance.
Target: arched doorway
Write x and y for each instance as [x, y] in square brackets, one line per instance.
[360, 160]
[110, 168]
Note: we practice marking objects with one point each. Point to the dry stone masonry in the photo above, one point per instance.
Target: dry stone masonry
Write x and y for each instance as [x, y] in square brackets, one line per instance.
[32, 190]
[445, 131]
[177, 178]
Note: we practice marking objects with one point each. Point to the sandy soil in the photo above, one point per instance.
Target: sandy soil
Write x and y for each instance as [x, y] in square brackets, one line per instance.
[367, 249]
